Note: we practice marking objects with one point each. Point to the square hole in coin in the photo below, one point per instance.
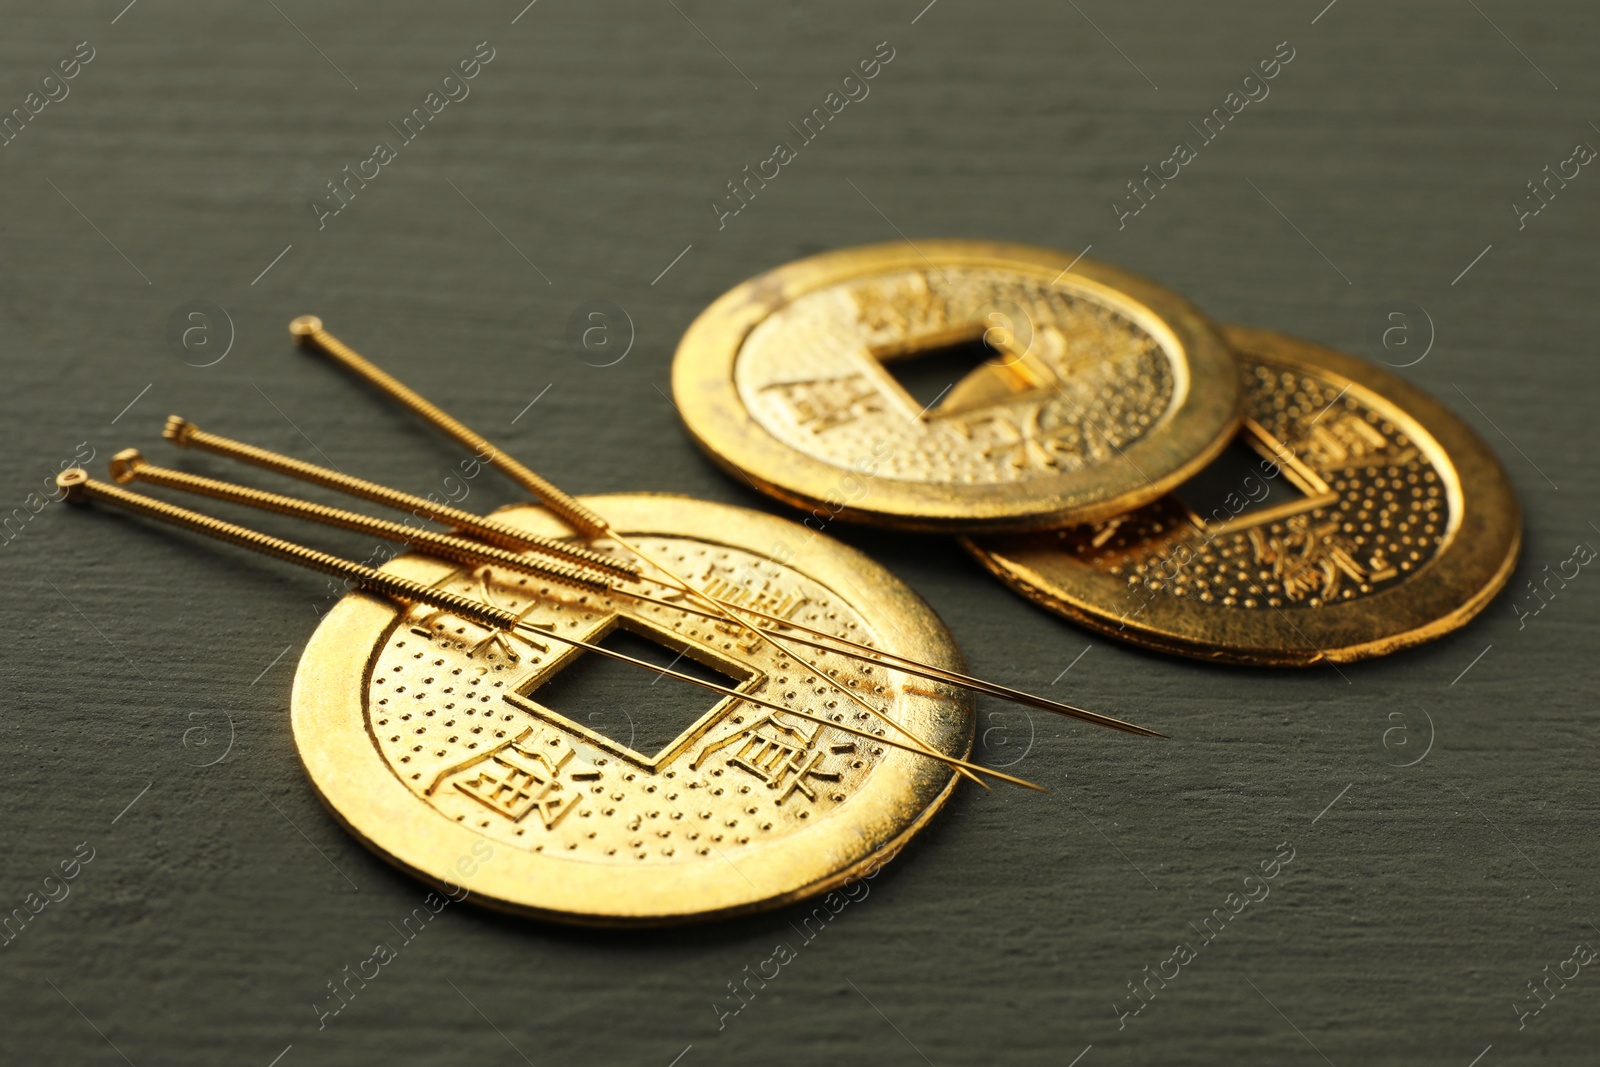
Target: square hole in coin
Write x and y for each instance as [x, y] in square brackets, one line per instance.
[637, 708]
[1254, 480]
[927, 372]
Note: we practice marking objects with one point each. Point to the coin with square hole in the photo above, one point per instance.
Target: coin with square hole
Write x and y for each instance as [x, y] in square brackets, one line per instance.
[1101, 391]
[634, 798]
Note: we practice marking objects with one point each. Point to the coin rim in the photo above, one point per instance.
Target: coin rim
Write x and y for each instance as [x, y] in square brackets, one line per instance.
[1440, 597]
[902, 793]
[1199, 426]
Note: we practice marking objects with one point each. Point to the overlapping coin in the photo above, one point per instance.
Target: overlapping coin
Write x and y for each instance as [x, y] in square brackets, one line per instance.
[1106, 391]
[1364, 518]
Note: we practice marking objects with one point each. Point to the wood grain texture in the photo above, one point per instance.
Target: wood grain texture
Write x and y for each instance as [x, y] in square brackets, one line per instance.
[219, 905]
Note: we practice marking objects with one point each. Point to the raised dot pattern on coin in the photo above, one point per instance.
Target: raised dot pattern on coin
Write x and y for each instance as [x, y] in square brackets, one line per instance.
[1383, 511]
[455, 712]
[808, 375]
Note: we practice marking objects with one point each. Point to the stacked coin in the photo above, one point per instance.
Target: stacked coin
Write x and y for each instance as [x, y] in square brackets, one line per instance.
[1224, 493]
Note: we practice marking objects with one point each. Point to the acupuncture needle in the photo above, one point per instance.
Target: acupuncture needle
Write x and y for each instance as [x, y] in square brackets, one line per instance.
[78, 487]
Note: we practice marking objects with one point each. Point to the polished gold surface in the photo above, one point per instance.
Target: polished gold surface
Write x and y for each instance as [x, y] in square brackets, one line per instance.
[1104, 390]
[1405, 528]
[427, 741]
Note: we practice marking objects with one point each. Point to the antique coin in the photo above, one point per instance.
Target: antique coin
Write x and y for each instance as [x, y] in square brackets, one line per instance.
[1361, 517]
[1104, 390]
[429, 736]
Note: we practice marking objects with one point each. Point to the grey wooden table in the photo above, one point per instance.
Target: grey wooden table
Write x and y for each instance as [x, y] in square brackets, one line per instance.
[148, 674]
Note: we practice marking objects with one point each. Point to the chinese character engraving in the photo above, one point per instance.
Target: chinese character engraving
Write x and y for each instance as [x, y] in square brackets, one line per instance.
[769, 600]
[1307, 560]
[1019, 438]
[824, 403]
[1350, 441]
[515, 780]
[779, 754]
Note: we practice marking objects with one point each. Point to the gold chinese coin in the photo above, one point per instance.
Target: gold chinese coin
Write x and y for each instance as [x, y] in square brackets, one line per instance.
[1357, 517]
[432, 740]
[1106, 390]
